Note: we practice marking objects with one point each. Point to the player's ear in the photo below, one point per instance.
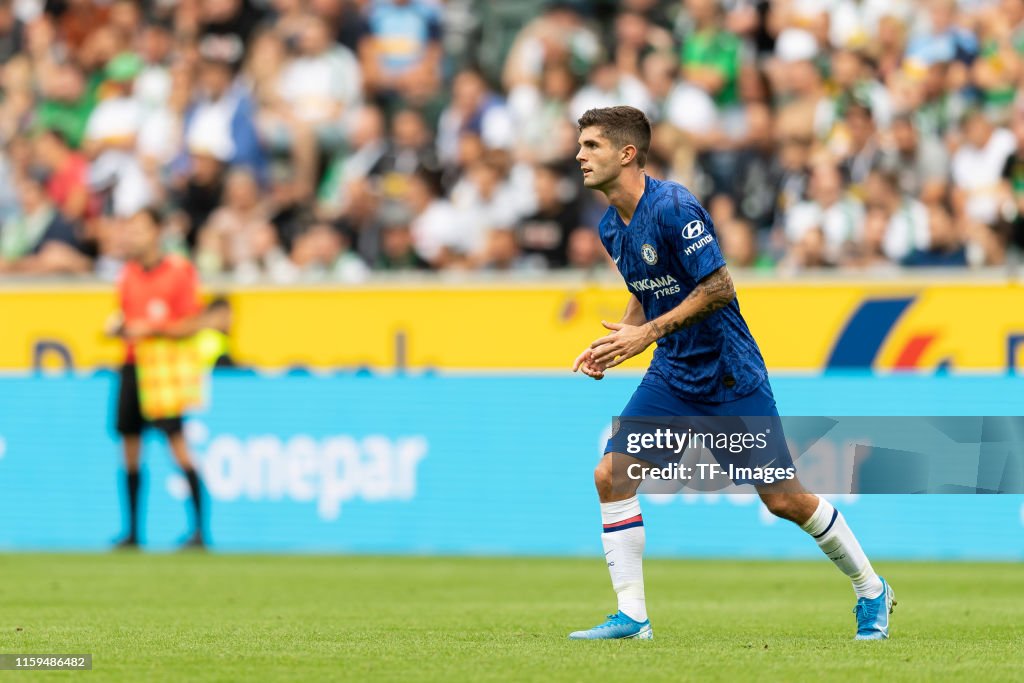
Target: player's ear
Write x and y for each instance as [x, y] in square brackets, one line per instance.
[628, 154]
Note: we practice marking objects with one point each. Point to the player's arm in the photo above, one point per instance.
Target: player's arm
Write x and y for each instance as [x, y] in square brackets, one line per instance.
[634, 315]
[711, 294]
[188, 315]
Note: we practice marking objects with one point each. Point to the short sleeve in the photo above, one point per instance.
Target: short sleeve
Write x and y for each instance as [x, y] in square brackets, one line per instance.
[688, 232]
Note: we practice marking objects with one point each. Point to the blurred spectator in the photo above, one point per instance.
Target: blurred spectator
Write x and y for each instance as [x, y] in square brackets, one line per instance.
[410, 147]
[321, 252]
[67, 102]
[111, 139]
[239, 237]
[397, 251]
[321, 83]
[854, 82]
[282, 135]
[833, 214]
[486, 202]
[608, 86]
[919, 161]
[636, 37]
[945, 248]
[559, 34]
[436, 226]
[1011, 195]
[224, 108]
[541, 113]
[209, 151]
[857, 145]
[544, 235]
[711, 55]
[230, 24]
[585, 250]
[37, 240]
[977, 168]
[402, 51]
[474, 111]
[755, 187]
[68, 183]
[906, 219]
[345, 188]
[11, 32]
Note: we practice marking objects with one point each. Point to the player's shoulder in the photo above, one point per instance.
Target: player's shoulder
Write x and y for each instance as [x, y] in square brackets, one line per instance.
[179, 265]
[671, 201]
[669, 191]
[129, 271]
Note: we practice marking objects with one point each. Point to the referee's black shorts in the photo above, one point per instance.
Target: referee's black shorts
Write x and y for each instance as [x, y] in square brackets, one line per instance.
[130, 421]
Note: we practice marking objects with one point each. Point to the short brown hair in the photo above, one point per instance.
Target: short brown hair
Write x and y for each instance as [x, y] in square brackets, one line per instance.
[623, 126]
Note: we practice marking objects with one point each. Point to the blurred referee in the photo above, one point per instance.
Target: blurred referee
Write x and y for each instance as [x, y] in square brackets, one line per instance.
[159, 298]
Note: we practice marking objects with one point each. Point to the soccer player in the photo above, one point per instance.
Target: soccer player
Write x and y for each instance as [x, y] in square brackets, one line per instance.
[159, 298]
[706, 362]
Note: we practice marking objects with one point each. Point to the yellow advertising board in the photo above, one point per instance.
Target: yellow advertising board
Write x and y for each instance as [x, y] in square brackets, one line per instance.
[804, 327]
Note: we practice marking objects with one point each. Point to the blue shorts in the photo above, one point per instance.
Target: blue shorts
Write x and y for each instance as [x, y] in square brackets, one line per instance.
[750, 426]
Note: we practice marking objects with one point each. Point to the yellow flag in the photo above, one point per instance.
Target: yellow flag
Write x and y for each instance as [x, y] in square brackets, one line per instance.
[170, 374]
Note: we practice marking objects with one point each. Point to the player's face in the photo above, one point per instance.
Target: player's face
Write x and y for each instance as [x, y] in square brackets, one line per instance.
[141, 237]
[598, 157]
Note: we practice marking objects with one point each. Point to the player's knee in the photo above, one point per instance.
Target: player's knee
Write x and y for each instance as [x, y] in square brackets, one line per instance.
[604, 478]
[782, 505]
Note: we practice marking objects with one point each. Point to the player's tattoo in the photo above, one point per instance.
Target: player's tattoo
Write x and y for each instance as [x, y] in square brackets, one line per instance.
[718, 291]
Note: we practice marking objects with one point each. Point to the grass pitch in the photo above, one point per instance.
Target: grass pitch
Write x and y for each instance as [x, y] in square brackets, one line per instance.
[190, 617]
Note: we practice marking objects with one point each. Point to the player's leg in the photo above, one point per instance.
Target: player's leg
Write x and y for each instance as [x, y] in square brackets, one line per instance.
[129, 425]
[788, 499]
[623, 535]
[827, 526]
[172, 427]
[623, 539]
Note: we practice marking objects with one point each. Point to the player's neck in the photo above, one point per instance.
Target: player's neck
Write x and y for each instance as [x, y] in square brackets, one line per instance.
[152, 259]
[626, 193]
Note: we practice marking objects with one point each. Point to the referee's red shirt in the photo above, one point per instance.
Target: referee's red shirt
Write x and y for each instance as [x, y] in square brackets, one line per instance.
[163, 295]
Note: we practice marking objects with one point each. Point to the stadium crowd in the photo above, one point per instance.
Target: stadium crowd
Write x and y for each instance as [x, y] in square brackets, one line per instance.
[306, 140]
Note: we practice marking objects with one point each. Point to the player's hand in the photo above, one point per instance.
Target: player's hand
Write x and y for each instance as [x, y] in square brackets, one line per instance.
[584, 362]
[138, 330]
[623, 343]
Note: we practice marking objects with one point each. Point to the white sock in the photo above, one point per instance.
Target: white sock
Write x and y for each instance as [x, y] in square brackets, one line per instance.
[833, 536]
[623, 541]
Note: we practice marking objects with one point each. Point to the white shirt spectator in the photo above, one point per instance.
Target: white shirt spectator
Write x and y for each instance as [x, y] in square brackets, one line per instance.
[691, 109]
[118, 120]
[908, 230]
[497, 130]
[978, 171]
[481, 215]
[114, 120]
[439, 227]
[628, 90]
[312, 86]
[840, 223]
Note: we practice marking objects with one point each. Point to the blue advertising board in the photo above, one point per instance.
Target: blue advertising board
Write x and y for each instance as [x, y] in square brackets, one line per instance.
[447, 464]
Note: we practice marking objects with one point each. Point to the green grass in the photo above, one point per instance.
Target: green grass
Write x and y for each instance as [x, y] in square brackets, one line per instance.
[230, 618]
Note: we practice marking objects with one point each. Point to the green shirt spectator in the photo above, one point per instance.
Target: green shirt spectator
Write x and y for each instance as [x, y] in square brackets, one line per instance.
[68, 110]
[711, 58]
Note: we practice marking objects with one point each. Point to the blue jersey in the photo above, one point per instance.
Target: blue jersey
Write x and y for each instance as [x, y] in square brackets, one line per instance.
[667, 248]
